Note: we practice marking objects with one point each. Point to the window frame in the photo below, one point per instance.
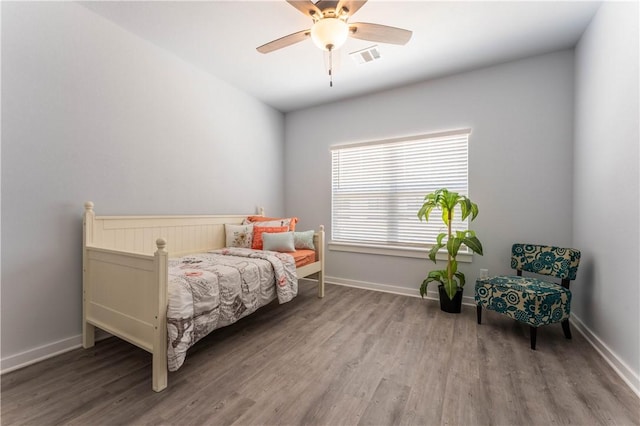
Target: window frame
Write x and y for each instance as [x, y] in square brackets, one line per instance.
[408, 250]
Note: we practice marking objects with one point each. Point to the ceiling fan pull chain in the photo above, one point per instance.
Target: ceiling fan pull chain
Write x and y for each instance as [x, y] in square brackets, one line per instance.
[330, 66]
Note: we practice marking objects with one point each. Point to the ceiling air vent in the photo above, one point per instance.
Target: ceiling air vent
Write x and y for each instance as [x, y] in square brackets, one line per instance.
[369, 54]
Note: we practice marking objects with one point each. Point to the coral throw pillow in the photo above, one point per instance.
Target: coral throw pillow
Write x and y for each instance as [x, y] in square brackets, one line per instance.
[256, 244]
[290, 221]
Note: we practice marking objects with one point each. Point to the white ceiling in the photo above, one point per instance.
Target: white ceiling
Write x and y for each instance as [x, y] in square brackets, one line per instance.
[448, 37]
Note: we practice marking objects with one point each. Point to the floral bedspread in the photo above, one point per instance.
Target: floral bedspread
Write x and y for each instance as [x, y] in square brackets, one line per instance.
[211, 290]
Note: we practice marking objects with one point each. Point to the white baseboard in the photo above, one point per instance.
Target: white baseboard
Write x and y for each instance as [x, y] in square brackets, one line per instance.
[40, 353]
[631, 378]
[387, 288]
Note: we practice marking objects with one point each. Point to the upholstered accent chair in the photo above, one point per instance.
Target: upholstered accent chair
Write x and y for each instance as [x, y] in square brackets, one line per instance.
[532, 301]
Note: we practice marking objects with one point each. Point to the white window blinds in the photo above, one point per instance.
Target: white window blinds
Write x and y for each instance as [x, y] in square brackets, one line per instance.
[378, 187]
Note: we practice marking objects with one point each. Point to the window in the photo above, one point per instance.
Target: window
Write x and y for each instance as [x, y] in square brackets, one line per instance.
[378, 187]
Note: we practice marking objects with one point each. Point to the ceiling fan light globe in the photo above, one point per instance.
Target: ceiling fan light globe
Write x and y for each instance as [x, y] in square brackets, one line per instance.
[329, 33]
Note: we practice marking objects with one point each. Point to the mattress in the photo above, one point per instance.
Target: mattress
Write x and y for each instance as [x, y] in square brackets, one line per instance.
[303, 257]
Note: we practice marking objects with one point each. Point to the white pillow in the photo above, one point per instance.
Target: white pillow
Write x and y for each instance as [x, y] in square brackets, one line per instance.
[304, 240]
[280, 241]
[238, 235]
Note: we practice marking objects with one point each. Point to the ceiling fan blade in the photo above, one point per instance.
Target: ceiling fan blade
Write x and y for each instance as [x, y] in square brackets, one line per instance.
[324, 4]
[307, 7]
[379, 33]
[351, 5]
[285, 41]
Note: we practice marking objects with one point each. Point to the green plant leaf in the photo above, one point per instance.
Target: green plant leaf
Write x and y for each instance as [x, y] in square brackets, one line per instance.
[451, 287]
[452, 199]
[423, 287]
[453, 245]
[437, 275]
[474, 210]
[434, 251]
[425, 211]
[445, 216]
[465, 205]
[474, 244]
[461, 278]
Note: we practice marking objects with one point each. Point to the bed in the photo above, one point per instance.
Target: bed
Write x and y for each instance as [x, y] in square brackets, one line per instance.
[127, 271]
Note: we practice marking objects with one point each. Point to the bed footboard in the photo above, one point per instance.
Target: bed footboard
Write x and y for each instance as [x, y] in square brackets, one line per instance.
[318, 266]
[125, 294]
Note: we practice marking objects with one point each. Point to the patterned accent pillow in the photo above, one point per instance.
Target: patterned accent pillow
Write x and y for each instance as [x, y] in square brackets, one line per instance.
[259, 230]
[281, 241]
[274, 221]
[238, 235]
[304, 240]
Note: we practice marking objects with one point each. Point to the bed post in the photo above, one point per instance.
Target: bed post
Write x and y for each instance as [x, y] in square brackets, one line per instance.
[159, 362]
[321, 259]
[88, 330]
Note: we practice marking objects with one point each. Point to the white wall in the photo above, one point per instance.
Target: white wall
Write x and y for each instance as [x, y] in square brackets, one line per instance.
[606, 191]
[91, 112]
[520, 155]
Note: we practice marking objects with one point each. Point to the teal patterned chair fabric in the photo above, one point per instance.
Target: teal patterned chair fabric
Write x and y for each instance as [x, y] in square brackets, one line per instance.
[532, 301]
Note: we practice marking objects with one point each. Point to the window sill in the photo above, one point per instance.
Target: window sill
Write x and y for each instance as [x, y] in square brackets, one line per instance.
[414, 252]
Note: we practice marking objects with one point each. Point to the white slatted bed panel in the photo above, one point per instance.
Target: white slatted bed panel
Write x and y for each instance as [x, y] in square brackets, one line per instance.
[183, 234]
[125, 274]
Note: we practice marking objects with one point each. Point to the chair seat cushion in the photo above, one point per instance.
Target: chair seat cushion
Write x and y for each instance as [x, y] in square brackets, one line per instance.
[529, 300]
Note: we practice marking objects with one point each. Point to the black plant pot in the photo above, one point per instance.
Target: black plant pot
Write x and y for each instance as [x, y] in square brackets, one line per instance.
[448, 305]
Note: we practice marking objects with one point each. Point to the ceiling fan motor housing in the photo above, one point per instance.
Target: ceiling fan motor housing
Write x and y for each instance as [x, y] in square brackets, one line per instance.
[329, 33]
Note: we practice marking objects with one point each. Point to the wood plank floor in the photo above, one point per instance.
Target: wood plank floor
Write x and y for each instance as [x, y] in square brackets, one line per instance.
[354, 357]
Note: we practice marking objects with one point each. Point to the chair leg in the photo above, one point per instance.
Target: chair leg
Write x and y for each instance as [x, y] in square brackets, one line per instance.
[533, 331]
[479, 313]
[566, 329]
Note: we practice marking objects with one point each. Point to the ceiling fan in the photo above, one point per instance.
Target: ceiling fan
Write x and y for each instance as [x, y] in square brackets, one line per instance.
[331, 28]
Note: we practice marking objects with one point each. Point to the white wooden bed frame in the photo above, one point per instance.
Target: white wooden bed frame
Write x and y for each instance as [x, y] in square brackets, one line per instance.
[125, 274]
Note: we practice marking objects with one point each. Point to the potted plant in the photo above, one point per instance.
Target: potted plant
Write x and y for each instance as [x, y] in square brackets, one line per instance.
[451, 280]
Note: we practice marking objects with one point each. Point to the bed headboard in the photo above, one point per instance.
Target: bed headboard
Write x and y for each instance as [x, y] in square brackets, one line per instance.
[183, 234]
